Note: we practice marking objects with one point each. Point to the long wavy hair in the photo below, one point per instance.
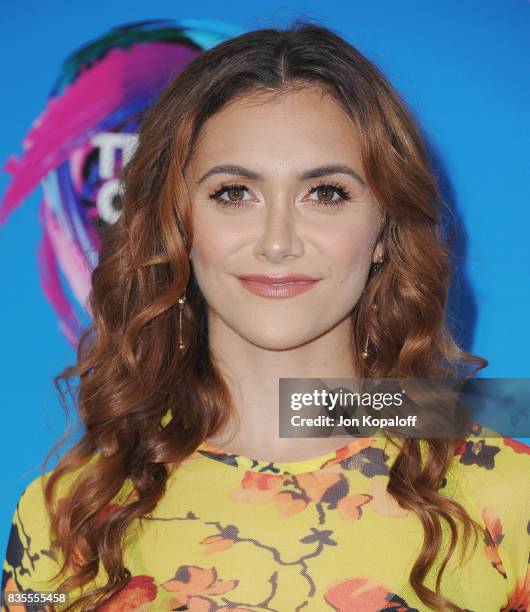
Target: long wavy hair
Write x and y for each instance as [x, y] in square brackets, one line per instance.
[130, 369]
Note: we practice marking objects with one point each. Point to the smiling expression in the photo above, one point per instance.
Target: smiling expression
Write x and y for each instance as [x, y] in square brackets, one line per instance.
[277, 189]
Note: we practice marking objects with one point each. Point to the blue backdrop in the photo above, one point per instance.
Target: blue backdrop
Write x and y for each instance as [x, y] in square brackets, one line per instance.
[461, 66]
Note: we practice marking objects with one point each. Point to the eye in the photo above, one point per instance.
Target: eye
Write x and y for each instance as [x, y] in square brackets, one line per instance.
[234, 193]
[327, 191]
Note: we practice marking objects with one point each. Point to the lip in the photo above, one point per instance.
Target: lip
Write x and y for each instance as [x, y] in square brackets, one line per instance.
[277, 286]
[263, 278]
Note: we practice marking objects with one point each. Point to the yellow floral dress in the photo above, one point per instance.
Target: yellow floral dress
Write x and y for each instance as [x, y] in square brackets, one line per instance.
[237, 534]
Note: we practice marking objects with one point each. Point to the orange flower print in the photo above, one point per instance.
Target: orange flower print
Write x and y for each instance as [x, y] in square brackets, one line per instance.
[221, 541]
[353, 448]
[135, 595]
[350, 507]
[258, 488]
[519, 600]
[493, 538]
[290, 502]
[190, 582]
[291, 494]
[383, 503]
[322, 486]
[365, 594]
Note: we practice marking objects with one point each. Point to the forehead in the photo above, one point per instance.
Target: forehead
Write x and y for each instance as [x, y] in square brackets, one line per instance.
[296, 129]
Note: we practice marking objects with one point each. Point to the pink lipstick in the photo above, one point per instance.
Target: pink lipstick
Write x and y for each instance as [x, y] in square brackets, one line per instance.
[277, 286]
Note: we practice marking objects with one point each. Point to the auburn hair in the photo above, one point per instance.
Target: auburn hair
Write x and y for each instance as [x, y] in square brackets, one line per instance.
[130, 369]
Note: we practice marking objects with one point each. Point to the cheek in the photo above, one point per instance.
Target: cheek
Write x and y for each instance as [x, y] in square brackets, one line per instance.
[349, 254]
[213, 242]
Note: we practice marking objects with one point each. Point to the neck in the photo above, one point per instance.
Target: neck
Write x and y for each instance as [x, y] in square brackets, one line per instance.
[252, 374]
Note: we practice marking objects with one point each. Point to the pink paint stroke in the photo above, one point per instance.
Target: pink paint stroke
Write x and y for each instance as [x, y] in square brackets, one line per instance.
[69, 119]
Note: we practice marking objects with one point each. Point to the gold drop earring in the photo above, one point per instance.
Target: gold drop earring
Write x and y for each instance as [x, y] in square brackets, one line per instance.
[365, 353]
[182, 301]
[375, 268]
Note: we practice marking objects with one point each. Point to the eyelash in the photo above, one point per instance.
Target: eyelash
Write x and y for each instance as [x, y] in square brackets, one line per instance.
[344, 195]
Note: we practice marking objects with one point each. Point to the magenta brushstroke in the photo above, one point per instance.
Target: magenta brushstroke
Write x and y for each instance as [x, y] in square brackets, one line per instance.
[70, 119]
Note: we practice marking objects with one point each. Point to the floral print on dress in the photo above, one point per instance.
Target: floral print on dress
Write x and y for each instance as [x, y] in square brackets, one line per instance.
[370, 462]
[363, 593]
[191, 585]
[383, 503]
[493, 538]
[478, 453]
[234, 533]
[136, 595]
[324, 491]
[519, 599]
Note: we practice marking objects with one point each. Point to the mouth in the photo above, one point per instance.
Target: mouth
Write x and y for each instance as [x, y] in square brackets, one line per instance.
[277, 286]
[278, 280]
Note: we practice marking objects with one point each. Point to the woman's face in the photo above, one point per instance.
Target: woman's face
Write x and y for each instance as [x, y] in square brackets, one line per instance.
[281, 212]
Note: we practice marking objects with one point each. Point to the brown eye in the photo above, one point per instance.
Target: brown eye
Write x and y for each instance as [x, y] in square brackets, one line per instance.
[231, 196]
[234, 194]
[327, 193]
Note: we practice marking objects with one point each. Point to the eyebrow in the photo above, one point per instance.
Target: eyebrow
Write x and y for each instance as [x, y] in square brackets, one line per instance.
[307, 174]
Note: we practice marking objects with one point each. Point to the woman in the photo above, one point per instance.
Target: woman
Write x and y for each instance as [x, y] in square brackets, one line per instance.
[280, 154]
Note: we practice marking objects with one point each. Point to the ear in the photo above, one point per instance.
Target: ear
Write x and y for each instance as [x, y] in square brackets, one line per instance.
[378, 252]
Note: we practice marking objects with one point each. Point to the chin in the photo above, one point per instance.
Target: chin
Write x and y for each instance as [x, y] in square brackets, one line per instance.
[276, 341]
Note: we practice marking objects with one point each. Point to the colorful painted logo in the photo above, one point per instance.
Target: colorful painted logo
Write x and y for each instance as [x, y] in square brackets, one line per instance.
[77, 147]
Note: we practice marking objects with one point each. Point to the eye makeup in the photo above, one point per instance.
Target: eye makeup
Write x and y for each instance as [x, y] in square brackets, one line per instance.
[339, 189]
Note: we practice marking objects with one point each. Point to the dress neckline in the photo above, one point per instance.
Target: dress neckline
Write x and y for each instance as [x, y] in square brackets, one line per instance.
[311, 464]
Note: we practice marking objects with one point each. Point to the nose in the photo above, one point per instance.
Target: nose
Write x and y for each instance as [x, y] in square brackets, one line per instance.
[279, 238]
